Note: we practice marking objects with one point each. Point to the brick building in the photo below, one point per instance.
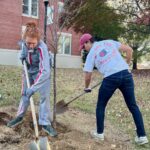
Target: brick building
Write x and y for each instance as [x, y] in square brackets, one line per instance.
[13, 17]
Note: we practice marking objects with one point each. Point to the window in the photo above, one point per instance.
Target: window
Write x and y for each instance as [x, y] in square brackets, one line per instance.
[50, 14]
[60, 7]
[25, 6]
[30, 8]
[34, 8]
[64, 43]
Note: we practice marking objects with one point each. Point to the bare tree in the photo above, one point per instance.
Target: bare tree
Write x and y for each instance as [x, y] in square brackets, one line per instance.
[54, 29]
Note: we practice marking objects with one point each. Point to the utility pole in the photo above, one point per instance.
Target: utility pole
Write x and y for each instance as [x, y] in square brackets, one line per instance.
[46, 2]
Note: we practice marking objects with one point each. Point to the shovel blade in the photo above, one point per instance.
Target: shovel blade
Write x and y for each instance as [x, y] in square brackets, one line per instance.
[34, 146]
[41, 144]
[61, 107]
[44, 144]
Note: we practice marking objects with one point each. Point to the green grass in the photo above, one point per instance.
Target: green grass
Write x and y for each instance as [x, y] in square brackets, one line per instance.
[70, 83]
[10, 85]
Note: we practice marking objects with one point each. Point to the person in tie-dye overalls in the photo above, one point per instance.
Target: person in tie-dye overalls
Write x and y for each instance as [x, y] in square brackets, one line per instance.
[35, 52]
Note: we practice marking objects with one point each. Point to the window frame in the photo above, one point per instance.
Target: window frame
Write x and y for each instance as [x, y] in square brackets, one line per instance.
[60, 4]
[30, 10]
[51, 16]
[63, 46]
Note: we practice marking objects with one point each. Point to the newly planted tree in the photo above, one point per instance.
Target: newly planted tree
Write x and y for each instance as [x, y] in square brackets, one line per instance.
[53, 34]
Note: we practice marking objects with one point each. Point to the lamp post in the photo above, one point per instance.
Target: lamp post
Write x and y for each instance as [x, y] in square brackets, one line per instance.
[46, 2]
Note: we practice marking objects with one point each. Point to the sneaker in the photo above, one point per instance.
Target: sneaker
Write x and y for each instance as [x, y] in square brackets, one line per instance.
[15, 122]
[50, 130]
[141, 140]
[96, 135]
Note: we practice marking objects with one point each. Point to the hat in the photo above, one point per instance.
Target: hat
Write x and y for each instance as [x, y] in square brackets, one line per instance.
[84, 38]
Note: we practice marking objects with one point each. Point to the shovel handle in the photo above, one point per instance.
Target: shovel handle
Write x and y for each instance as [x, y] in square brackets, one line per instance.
[81, 94]
[31, 102]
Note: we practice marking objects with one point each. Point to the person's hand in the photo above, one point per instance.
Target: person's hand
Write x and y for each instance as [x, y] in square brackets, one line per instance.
[22, 60]
[87, 90]
[29, 92]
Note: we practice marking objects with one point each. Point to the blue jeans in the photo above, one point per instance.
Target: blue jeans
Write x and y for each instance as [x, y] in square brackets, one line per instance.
[124, 82]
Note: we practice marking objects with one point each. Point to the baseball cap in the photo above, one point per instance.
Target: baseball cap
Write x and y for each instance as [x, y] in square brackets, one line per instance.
[84, 38]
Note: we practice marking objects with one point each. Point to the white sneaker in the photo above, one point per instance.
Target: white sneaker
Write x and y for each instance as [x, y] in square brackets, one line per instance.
[95, 135]
[141, 140]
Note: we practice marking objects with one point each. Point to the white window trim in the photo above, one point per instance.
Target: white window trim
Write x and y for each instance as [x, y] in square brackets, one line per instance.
[65, 34]
[60, 4]
[31, 16]
[51, 16]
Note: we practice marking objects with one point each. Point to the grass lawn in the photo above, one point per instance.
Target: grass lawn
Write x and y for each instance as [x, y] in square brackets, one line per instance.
[70, 83]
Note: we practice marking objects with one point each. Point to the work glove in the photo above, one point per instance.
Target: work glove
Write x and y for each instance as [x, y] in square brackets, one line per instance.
[87, 90]
[29, 92]
[24, 59]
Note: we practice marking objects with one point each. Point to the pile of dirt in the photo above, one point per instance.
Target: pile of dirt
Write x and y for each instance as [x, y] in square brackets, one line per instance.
[73, 129]
[4, 118]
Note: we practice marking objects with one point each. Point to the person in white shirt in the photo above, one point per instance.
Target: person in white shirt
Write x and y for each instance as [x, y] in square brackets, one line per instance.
[106, 56]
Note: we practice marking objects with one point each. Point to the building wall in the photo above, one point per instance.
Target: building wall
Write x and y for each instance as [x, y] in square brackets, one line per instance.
[11, 58]
[10, 23]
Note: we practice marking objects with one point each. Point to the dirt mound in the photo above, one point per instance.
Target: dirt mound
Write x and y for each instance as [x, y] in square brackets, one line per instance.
[4, 118]
[73, 129]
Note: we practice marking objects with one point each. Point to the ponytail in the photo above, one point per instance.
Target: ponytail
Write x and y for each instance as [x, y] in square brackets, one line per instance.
[32, 31]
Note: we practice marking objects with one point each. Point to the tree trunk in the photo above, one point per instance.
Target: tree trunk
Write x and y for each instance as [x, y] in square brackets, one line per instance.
[134, 64]
[54, 88]
[134, 58]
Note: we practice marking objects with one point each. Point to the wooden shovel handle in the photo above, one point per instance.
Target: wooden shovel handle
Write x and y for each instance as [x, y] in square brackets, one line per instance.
[31, 103]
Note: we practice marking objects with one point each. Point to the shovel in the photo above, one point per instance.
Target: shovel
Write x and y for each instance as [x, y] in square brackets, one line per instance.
[62, 106]
[42, 142]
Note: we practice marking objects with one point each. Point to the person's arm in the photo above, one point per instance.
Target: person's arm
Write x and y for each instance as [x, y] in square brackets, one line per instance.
[128, 50]
[88, 76]
[88, 69]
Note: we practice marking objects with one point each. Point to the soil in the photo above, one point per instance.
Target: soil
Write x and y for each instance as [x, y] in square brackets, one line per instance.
[73, 129]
